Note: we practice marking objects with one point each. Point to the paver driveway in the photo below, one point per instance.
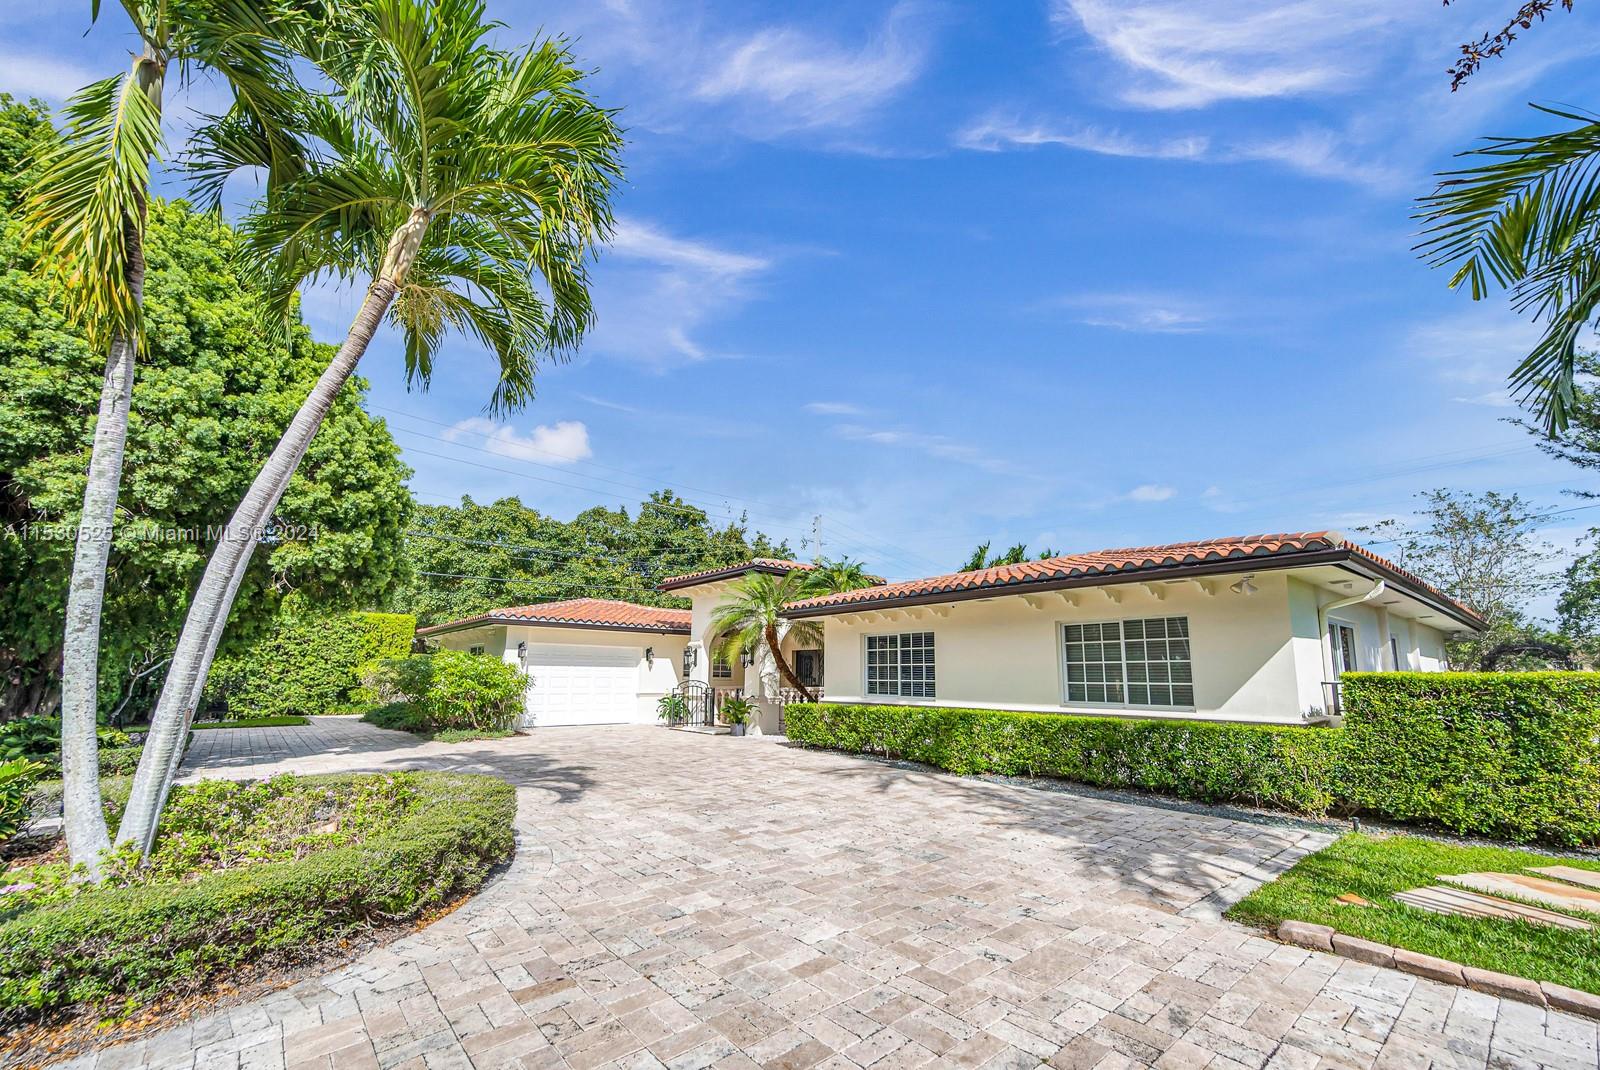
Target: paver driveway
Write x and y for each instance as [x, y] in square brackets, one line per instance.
[691, 901]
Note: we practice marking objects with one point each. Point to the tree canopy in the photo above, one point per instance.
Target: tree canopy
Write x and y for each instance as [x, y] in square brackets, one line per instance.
[470, 558]
[212, 397]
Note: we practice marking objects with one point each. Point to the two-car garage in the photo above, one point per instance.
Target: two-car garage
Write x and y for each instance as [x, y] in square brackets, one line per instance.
[588, 661]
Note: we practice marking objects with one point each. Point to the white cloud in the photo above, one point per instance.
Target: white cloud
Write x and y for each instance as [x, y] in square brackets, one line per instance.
[564, 442]
[656, 290]
[1188, 55]
[833, 408]
[799, 80]
[1152, 492]
[995, 133]
[1141, 313]
[1494, 399]
[1476, 348]
[42, 76]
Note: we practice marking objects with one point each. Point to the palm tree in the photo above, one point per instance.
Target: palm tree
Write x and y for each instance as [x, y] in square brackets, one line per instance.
[468, 186]
[88, 206]
[753, 616]
[979, 558]
[1526, 217]
[835, 576]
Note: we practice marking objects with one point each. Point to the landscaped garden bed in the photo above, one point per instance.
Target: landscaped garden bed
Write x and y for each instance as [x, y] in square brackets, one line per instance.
[450, 696]
[244, 877]
[286, 721]
[1368, 870]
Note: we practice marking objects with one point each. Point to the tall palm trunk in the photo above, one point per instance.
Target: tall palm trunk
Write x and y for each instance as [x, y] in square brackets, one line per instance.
[219, 585]
[82, 808]
[784, 672]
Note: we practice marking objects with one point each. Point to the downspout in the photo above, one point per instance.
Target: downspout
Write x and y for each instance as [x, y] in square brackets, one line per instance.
[1322, 621]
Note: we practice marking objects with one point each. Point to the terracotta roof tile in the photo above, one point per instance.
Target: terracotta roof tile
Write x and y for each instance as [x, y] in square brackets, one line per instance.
[582, 612]
[774, 565]
[1109, 562]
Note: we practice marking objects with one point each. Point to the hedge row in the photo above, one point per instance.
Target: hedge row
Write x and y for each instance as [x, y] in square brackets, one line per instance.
[1258, 764]
[306, 664]
[1509, 755]
[125, 946]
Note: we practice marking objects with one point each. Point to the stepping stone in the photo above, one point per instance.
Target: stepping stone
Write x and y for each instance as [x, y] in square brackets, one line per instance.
[1586, 877]
[1548, 892]
[1442, 900]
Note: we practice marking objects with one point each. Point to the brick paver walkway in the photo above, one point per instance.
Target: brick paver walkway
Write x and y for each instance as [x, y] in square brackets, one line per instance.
[689, 901]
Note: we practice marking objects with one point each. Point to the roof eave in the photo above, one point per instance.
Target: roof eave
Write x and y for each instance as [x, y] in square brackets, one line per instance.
[1230, 565]
[678, 583]
[490, 620]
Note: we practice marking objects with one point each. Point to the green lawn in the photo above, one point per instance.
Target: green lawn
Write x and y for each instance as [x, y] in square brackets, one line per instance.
[286, 721]
[1374, 866]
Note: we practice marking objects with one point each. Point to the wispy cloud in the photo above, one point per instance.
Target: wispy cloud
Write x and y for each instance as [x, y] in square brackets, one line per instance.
[790, 78]
[833, 408]
[604, 403]
[657, 290]
[1144, 313]
[1152, 492]
[1188, 55]
[565, 442]
[996, 132]
[940, 446]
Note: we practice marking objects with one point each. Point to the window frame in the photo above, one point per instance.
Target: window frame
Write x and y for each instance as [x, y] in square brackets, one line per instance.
[721, 668]
[1068, 702]
[931, 664]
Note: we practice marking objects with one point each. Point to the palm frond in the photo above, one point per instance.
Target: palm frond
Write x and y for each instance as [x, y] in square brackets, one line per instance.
[88, 203]
[1527, 219]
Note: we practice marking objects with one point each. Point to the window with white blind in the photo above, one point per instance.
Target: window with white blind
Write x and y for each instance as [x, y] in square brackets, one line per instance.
[1141, 662]
[900, 665]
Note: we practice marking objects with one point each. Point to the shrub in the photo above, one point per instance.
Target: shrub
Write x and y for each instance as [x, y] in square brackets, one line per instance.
[451, 689]
[306, 664]
[1512, 755]
[38, 739]
[16, 776]
[115, 948]
[1288, 768]
[400, 716]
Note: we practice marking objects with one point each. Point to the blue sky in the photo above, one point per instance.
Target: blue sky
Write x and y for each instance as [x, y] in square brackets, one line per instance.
[1080, 273]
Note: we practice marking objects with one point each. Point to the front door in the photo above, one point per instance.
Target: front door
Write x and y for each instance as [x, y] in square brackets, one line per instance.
[808, 667]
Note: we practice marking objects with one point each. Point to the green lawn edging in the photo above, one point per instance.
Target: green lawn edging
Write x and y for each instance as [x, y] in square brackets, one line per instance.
[114, 948]
[1374, 867]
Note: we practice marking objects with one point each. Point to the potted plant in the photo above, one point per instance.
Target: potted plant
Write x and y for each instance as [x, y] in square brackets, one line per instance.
[736, 711]
[672, 709]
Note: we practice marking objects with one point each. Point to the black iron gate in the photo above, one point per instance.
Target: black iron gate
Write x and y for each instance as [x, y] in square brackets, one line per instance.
[699, 705]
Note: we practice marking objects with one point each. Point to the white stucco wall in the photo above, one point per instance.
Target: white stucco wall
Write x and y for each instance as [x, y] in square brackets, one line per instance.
[1260, 658]
[1004, 653]
[656, 678]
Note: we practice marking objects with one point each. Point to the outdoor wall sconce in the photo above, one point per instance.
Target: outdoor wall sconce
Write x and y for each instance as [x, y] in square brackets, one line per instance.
[522, 651]
[691, 658]
[649, 657]
[747, 659]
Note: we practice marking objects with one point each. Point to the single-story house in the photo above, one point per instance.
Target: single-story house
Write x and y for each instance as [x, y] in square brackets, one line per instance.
[1251, 628]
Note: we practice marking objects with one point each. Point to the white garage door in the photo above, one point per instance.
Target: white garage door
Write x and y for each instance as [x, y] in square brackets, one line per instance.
[582, 685]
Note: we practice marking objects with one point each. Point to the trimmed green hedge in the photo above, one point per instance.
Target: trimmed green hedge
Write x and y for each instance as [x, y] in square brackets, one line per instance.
[448, 689]
[1513, 756]
[114, 948]
[306, 664]
[1510, 755]
[1212, 761]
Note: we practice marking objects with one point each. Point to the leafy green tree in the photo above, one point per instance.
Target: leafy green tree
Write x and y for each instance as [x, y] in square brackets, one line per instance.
[211, 398]
[1483, 550]
[471, 558]
[468, 186]
[89, 205]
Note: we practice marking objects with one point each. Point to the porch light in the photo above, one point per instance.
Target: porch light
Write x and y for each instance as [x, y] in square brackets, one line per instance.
[1244, 586]
[691, 657]
[649, 657]
[522, 651]
[747, 659]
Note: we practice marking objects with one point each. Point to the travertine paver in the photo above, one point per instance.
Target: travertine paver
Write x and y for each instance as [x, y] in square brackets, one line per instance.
[687, 901]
